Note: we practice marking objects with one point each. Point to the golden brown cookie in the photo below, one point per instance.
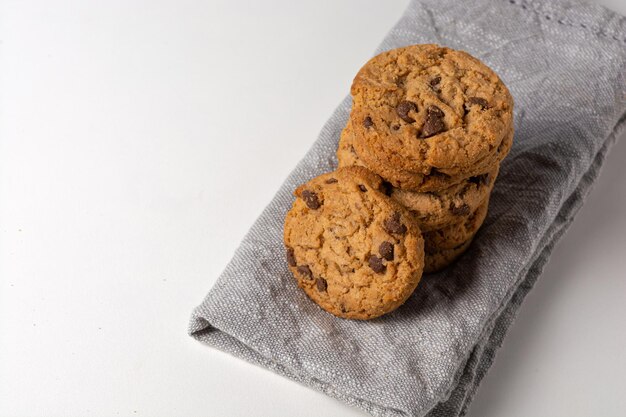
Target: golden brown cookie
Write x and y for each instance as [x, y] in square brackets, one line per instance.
[352, 249]
[436, 261]
[456, 234]
[346, 154]
[426, 110]
[438, 209]
[434, 182]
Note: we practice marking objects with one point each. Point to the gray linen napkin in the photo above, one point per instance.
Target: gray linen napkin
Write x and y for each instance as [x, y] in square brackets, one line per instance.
[564, 63]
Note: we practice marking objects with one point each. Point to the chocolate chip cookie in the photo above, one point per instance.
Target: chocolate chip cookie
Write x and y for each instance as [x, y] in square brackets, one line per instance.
[434, 182]
[435, 210]
[353, 250]
[426, 110]
[346, 154]
[438, 260]
[455, 234]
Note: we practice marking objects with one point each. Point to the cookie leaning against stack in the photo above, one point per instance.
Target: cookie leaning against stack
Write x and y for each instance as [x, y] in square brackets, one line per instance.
[421, 151]
[353, 250]
[435, 123]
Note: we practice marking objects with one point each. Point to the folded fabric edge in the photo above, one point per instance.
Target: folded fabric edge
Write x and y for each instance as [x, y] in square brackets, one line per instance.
[218, 339]
[566, 212]
[465, 374]
[509, 313]
[494, 337]
[460, 399]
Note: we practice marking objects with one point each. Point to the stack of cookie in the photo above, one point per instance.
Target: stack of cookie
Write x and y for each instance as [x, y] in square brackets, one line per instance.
[435, 123]
[418, 159]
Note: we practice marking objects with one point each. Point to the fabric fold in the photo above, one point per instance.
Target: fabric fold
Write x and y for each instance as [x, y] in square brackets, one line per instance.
[564, 63]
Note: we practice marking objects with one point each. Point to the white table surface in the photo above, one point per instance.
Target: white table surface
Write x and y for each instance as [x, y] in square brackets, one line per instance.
[139, 141]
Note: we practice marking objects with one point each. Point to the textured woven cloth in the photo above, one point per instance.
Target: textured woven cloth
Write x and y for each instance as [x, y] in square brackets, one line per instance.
[564, 63]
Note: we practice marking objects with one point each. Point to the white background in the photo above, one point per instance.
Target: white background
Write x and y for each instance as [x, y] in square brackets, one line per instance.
[140, 140]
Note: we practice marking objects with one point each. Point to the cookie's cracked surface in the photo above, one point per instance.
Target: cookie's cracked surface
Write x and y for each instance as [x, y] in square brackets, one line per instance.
[353, 250]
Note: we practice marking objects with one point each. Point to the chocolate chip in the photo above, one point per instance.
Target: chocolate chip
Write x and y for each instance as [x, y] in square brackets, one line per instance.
[435, 81]
[291, 258]
[434, 121]
[362, 188]
[404, 108]
[436, 173]
[386, 187]
[478, 101]
[305, 271]
[393, 224]
[321, 284]
[376, 264]
[331, 181]
[480, 179]
[386, 250]
[395, 127]
[367, 122]
[461, 210]
[311, 200]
